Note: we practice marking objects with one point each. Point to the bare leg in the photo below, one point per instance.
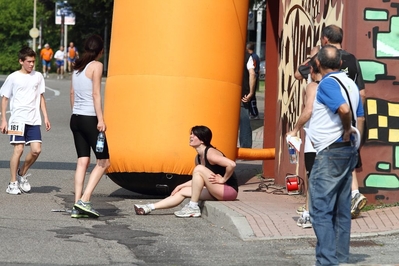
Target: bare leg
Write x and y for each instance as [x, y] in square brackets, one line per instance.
[355, 184]
[15, 160]
[173, 201]
[200, 179]
[31, 157]
[81, 168]
[95, 176]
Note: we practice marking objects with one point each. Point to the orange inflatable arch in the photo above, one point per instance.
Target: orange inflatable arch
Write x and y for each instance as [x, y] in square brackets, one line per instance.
[173, 65]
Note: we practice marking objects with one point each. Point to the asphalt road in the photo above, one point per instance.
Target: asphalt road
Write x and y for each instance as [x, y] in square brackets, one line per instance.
[31, 233]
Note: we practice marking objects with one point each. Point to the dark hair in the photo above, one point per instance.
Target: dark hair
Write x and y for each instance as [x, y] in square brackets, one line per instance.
[312, 63]
[25, 52]
[93, 47]
[329, 57]
[251, 46]
[203, 133]
[333, 33]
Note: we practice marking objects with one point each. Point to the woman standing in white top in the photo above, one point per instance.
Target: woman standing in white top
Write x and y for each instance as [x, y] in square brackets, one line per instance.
[87, 121]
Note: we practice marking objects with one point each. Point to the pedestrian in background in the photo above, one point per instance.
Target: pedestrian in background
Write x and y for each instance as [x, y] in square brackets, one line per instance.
[86, 122]
[46, 54]
[73, 54]
[253, 62]
[247, 92]
[60, 57]
[24, 90]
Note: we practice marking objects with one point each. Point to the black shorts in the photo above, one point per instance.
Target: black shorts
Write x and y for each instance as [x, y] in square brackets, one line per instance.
[309, 161]
[84, 130]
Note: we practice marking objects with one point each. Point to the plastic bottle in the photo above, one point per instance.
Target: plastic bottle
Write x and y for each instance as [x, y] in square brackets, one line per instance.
[292, 154]
[100, 142]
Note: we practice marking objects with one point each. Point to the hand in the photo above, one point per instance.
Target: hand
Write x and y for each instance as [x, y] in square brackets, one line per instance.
[291, 133]
[101, 126]
[216, 179]
[177, 189]
[48, 125]
[246, 98]
[3, 128]
[347, 134]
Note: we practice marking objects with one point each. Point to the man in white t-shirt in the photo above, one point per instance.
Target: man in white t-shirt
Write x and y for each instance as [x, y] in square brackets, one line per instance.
[59, 61]
[24, 91]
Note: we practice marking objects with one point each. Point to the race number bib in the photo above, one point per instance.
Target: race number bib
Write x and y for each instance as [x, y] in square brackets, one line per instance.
[16, 128]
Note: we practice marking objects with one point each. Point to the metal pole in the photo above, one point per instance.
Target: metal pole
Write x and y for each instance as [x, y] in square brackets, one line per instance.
[259, 30]
[34, 25]
[65, 46]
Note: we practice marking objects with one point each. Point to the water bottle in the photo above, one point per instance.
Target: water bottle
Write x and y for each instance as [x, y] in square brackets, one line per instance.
[292, 154]
[100, 142]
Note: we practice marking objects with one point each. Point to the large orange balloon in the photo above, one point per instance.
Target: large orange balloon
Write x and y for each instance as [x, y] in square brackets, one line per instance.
[173, 65]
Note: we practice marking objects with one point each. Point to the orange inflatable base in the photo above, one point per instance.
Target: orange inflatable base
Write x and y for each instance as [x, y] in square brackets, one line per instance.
[160, 184]
[256, 154]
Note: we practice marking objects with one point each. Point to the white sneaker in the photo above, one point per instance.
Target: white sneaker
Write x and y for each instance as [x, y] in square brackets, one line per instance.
[142, 209]
[13, 189]
[188, 211]
[58, 77]
[304, 222]
[23, 183]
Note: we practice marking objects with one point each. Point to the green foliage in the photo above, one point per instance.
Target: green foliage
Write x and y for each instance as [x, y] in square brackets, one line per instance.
[92, 17]
[15, 22]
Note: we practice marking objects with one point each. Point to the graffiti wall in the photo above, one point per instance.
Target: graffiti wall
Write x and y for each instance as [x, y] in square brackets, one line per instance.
[371, 33]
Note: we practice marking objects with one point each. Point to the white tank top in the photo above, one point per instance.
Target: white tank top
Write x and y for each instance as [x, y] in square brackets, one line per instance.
[83, 93]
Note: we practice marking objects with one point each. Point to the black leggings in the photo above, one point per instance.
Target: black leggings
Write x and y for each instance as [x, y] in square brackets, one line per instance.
[84, 130]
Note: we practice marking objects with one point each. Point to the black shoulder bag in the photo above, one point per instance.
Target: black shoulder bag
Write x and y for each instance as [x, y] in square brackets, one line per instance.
[359, 161]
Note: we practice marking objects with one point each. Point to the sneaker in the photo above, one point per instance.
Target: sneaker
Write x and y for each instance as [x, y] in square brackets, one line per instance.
[304, 222]
[13, 189]
[300, 209]
[86, 207]
[58, 77]
[188, 211]
[357, 204]
[75, 213]
[23, 183]
[254, 117]
[142, 209]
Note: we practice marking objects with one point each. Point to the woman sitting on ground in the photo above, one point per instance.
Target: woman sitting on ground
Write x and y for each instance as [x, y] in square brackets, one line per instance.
[213, 178]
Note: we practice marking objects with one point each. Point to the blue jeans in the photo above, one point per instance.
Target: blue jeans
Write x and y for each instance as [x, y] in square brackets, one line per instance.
[245, 136]
[330, 203]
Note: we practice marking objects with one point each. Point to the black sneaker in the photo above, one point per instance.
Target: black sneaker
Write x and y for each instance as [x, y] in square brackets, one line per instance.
[75, 213]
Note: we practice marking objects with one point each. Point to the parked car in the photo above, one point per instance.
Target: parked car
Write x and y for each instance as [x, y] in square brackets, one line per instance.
[262, 70]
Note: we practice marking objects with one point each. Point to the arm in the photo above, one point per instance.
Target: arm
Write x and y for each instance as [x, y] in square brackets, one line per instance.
[314, 51]
[44, 112]
[216, 157]
[345, 114]
[252, 85]
[307, 111]
[71, 94]
[97, 75]
[4, 104]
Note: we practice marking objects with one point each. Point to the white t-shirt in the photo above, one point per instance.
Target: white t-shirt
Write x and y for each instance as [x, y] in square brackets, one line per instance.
[250, 63]
[59, 55]
[23, 92]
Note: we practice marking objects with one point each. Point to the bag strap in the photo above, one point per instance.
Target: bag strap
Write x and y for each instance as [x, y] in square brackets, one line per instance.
[349, 99]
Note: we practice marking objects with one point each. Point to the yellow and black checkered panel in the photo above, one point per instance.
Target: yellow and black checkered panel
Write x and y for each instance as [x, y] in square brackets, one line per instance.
[382, 121]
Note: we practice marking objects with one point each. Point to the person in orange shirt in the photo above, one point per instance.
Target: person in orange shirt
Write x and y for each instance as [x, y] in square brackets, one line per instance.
[46, 54]
[72, 54]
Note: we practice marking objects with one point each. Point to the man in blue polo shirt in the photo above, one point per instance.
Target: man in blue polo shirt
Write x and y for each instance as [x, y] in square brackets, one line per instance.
[332, 133]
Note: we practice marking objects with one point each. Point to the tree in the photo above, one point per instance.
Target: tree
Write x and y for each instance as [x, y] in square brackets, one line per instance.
[15, 22]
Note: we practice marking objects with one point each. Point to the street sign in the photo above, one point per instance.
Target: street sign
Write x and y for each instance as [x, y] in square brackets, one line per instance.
[34, 33]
